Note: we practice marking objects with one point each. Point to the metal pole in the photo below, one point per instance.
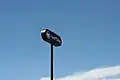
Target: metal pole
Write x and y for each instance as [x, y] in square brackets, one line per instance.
[51, 68]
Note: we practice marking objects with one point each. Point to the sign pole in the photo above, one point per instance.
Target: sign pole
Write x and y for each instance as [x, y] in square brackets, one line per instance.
[54, 40]
[51, 68]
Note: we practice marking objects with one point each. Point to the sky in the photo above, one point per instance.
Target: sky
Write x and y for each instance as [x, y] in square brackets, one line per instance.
[90, 30]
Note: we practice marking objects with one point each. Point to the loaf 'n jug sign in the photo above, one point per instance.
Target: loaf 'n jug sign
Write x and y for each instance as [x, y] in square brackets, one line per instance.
[54, 40]
[51, 37]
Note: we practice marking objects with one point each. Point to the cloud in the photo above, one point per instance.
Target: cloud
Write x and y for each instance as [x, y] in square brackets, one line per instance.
[108, 73]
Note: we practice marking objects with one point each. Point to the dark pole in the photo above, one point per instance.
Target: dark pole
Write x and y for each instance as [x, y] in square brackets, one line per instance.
[51, 68]
[54, 40]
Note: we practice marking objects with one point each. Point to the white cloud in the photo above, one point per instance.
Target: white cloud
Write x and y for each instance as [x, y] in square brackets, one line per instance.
[109, 73]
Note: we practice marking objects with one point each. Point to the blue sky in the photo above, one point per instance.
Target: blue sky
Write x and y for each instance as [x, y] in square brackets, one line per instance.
[90, 30]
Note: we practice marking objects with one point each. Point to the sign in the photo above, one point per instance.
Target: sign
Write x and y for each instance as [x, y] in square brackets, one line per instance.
[51, 37]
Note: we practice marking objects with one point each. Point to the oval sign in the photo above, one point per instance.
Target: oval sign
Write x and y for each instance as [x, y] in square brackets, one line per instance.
[51, 37]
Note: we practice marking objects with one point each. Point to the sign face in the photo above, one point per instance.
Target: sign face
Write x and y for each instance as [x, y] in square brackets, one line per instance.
[51, 37]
